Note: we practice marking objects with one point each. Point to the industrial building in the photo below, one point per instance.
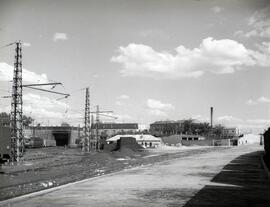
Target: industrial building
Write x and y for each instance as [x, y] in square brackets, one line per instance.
[182, 139]
[67, 135]
[229, 133]
[111, 129]
[166, 128]
[145, 140]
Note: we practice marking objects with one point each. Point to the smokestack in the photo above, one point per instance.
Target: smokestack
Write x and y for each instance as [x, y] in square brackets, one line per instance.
[211, 117]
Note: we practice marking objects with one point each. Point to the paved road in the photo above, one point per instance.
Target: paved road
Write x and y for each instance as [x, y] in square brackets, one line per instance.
[171, 183]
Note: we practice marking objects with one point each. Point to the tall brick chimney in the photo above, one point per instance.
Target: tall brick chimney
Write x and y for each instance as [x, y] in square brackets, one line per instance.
[211, 116]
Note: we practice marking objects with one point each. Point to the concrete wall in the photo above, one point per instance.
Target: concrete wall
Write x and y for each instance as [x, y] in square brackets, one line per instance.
[112, 132]
[42, 133]
[178, 138]
[4, 142]
[249, 139]
[225, 142]
[73, 137]
[222, 142]
[47, 134]
[206, 142]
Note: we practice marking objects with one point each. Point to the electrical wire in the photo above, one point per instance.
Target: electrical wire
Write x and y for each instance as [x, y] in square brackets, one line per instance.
[7, 45]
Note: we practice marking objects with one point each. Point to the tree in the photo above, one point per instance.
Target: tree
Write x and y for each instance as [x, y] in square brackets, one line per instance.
[202, 128]
[27, 120]
[189, 127]
[5, 119]
[65, 124]
[217, 130]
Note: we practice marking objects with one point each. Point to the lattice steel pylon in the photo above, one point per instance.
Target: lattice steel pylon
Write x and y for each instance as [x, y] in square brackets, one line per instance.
[93, 140]
[97, 129]
[87, 126]
[16, 123]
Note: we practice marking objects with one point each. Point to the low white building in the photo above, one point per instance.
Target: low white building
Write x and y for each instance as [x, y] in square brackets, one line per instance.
[249, 139]
[145, 140]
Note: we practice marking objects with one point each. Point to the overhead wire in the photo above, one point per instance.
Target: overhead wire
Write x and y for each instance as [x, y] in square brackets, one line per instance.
[7, 45]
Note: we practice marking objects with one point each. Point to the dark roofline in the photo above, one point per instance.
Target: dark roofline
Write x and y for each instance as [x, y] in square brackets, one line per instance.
[169, 122]
[116, 126]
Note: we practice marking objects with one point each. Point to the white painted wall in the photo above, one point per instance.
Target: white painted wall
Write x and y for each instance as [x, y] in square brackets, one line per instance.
[249, 139]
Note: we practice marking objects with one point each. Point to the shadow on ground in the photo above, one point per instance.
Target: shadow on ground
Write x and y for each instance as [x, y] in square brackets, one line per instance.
[243, 182]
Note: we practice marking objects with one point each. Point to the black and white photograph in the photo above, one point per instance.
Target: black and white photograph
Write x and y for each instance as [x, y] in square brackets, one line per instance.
[134, 103]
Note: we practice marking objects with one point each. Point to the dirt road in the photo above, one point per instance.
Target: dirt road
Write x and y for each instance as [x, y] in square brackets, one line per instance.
[167, 183]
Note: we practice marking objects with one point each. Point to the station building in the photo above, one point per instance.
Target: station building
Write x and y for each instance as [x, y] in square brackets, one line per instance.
[145, 140]
[230, 132]
[111, 129]
[166, 128]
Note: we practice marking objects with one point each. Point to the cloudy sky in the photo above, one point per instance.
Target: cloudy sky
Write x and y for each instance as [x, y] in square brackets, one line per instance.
[145, 60]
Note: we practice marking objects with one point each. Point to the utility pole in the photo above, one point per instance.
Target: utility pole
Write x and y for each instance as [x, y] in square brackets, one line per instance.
[97, 127]
[211, 116]
[79, 132]
[16, 125]
[87, 126]
[16, 114]
[93, 141]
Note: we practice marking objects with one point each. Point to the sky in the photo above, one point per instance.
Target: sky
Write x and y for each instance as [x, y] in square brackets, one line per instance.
[146, 60]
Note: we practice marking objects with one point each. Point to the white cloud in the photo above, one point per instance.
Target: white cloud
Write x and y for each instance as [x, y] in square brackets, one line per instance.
[6, 74]
[200, 118]
[26, 44]
[124, 96]
[263, 57]
[43, 102]
[158, 108]
[261, 100]
[121, 100]
[123, 117]
[251, 125]
[214, 56]
[119, 103]
[216, 9]
[59, 36]
[229, 119]
[259, 121]
[260, 21]
[43, 107]
[251, 102]
[239, 33]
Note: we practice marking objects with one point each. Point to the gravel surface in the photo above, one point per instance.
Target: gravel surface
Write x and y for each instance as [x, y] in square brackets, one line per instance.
[50, 167]
[169, 179]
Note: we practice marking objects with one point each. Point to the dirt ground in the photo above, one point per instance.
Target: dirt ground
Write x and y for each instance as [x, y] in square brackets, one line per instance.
[169, 179]
[49, 167]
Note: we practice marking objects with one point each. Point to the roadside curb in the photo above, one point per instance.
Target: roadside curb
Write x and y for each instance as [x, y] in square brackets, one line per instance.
[265, 167]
